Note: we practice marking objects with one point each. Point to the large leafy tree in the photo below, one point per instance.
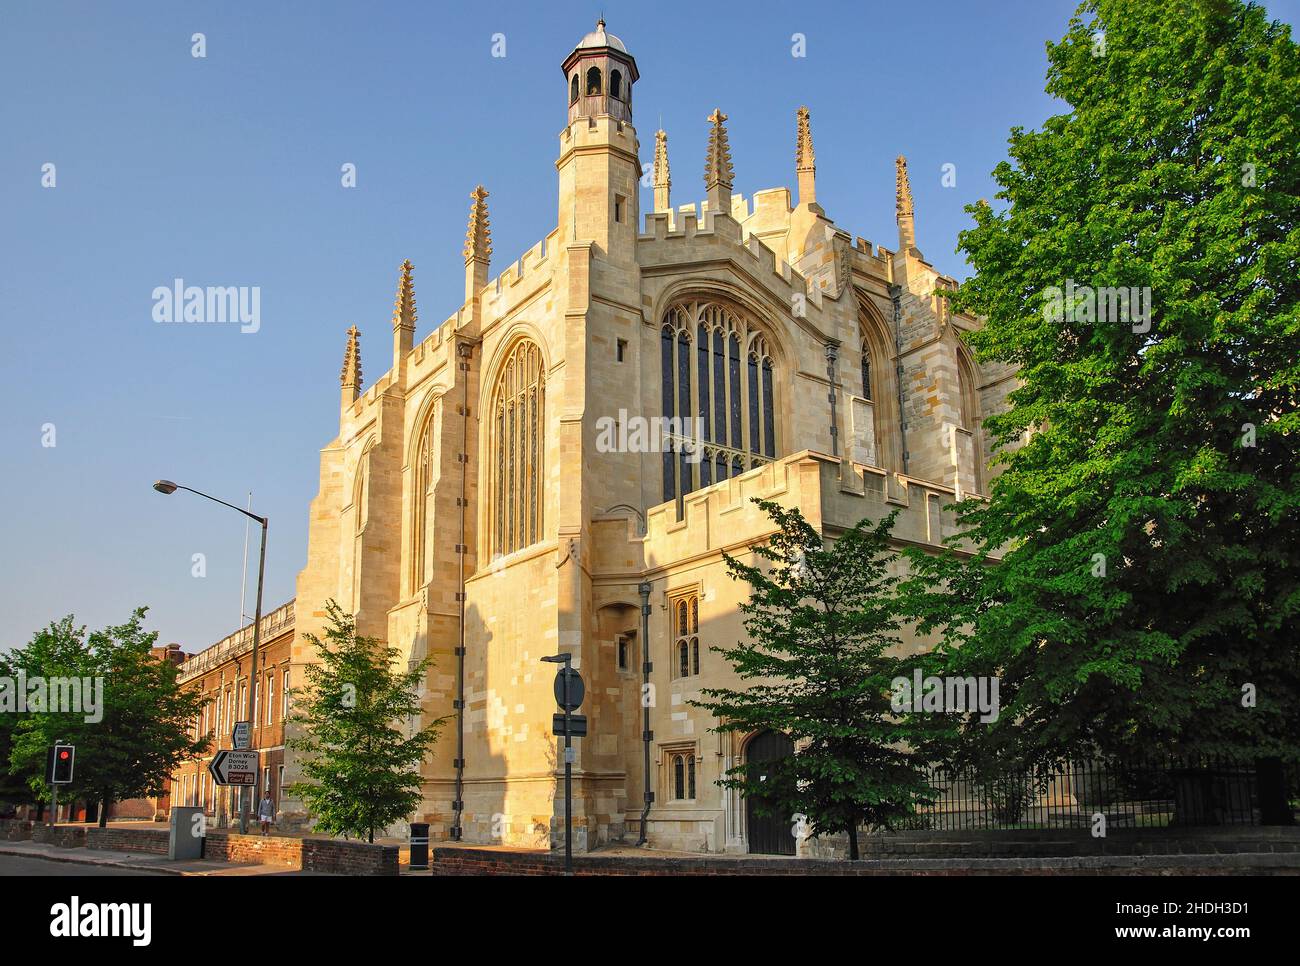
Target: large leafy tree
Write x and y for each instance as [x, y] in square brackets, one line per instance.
[1149, 525]
[144, 725]
[819, 664]
[361, 754]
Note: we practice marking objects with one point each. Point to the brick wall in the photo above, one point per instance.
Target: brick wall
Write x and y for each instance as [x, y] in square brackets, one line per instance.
[62, 836]
[149, 840]
[15, 830]
[452, 860]
[308, 854]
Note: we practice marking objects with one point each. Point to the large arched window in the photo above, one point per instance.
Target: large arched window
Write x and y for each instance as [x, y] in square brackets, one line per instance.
[593, 81]
[425, 477]
[516, 449]
[360, 514]
[879, 386]
[719, 389]
[968, 385]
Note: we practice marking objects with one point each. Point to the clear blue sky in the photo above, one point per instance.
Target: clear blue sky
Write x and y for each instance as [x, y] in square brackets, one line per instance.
[226, 171]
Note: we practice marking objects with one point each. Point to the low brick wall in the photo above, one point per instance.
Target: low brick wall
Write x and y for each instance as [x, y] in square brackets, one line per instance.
[460, 860]
[308, 854]
[62, 836]
[1041, 843]
[151, 840]
[15, 830]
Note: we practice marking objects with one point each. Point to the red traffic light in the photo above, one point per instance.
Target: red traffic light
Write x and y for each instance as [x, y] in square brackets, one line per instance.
[63, 755]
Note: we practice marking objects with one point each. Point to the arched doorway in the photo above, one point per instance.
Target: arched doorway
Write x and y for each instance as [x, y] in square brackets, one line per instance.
[770, 834]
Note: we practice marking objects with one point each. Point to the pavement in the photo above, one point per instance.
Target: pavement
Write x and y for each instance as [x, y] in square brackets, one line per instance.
[109, 862]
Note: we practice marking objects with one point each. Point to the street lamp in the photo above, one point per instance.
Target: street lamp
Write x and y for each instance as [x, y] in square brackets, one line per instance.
[168, 487]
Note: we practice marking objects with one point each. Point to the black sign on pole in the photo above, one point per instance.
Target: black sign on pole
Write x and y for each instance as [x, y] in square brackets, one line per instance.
[569, 689]
[577, 725]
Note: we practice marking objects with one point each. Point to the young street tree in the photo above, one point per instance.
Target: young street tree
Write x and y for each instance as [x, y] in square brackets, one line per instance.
[362, 767]
[1144, 277]
[819, 666]
[142, 729]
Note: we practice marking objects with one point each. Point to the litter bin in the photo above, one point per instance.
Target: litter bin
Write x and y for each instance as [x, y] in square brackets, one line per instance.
[419, 845]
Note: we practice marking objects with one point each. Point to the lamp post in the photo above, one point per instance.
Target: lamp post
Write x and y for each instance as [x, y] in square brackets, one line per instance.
[168, 487]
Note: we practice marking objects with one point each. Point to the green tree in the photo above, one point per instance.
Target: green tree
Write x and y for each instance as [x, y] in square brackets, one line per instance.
[1148, 526]
[361, 758]
[819, 665]
[142, 729]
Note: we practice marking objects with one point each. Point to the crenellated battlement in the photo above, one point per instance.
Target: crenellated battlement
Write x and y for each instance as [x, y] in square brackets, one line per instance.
[668, 235]
[832, 496]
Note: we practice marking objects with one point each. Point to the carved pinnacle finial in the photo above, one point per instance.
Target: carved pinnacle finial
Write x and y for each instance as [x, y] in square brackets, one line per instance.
[662, 179]
[351, 375]
[717, 167]
[404, 316]
[804, 159]
[905, 214]
[478, 236]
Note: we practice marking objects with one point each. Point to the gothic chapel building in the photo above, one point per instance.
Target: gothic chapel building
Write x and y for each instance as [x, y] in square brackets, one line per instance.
[472, 510]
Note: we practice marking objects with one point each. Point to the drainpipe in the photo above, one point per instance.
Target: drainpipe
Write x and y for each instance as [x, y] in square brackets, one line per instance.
[647, 735]
[832, 354]
[896, 295]
[463, 350]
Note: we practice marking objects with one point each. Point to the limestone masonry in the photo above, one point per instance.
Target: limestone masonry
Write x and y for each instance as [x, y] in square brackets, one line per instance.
[473, 509]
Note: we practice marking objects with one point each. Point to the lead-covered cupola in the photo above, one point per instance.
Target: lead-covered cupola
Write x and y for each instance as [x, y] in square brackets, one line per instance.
[599, 75]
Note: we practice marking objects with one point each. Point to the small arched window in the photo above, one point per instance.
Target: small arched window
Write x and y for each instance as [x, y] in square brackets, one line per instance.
[616, 84]
[593, 81]
[573, 89]
[684, 777]
[686, 636]
[866, 370]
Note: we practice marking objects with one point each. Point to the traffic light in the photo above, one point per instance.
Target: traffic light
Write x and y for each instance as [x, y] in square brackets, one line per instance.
[62, 758]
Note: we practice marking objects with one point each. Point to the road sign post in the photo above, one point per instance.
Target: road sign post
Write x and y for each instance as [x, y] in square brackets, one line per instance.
[569, 692]
[234, 768]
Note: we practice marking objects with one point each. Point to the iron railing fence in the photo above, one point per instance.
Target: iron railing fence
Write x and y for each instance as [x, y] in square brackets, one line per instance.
[1152, 793]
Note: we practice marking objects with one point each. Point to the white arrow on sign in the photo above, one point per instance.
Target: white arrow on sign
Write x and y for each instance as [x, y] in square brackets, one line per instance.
[234, 767]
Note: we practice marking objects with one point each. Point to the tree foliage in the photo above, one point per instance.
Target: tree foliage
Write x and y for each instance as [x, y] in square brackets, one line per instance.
[143, 729]
[819, 662]
[362, 753]
[1148, 526]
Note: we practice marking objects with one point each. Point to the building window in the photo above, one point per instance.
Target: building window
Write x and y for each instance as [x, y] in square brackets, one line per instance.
[279, 782]
[620, 349]
[270, 697]
[284, 696]
[619, 202]
[623, 648]
[686, 635]
[866, 371]
[593, 81]
[517, 449]
[718, 390]
[426, 465]
[615, 84]
[573, 89]
[681, 776]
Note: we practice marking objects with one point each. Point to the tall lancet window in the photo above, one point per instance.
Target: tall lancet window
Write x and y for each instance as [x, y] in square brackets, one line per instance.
[719, 395]
[426, 475]
[360, 514]
[517, 450]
